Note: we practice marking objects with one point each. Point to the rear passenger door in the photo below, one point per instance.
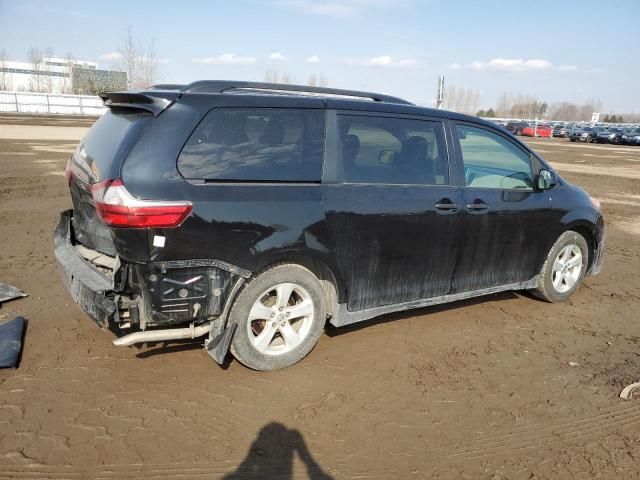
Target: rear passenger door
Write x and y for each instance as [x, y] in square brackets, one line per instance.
[390, 208]
[507, 226]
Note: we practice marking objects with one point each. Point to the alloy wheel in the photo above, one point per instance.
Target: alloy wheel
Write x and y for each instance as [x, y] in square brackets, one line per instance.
[280, 319]
[567, 268]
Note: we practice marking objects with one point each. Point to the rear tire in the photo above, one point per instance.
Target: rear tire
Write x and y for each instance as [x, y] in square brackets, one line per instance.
[285, 304]
[564, 269]
[589, 139]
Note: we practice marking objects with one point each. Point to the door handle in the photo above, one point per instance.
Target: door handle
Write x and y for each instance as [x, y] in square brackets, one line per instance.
[477, 207]
[446, 206]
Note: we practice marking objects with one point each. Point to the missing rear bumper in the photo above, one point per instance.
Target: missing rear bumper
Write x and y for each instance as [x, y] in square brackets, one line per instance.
[165, 295]
[91, 289]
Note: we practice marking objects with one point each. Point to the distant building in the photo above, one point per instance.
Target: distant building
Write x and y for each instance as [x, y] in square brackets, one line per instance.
[59, 75]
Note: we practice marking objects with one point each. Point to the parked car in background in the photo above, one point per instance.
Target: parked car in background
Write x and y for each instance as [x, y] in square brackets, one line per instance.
[540, 130]
[584, 134]
[570, 129]
[610, 135]
[256, 213]
[560, 130]
[516, 127]
[631, 136]
[597, 130]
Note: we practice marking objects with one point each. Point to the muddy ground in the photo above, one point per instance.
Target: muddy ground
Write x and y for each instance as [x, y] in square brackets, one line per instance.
[477, 389]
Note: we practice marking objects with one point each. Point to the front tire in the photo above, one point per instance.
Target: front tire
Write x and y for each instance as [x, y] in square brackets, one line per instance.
[564, 268]
[280, 316]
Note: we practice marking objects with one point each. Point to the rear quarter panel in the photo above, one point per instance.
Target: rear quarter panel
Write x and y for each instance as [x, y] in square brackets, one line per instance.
[248, 225]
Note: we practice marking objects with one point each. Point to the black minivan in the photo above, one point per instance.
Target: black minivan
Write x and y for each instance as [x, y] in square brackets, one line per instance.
[254, 213]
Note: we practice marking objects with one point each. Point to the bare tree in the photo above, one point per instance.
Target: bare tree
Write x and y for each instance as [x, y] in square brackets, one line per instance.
[67, 84]
[47, 78]
[589, 108]
[138, 62]
[502, 107]
[461, 99]
[36, 59]
[316, 80]
[149, 65]
[273, 76]
[451, 97]
[564, 111]
[5, 77]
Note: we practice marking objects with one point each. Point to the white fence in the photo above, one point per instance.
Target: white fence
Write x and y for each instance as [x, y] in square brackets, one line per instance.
[48, 103]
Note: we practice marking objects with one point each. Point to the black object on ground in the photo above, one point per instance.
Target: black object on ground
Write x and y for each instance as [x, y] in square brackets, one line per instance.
[11, 341]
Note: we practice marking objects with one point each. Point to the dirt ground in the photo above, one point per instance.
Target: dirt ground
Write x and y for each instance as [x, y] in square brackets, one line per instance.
[479, 389]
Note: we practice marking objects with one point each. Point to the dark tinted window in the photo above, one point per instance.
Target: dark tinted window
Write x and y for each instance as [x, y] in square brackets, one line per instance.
[254, 144]
[392, 150]
[99, 155]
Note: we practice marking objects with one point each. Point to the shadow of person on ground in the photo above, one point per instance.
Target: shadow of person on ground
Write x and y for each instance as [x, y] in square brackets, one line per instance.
[271, 456]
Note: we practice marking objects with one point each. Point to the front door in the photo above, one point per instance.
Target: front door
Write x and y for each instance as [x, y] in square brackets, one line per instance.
[392, 214]
[507, 226]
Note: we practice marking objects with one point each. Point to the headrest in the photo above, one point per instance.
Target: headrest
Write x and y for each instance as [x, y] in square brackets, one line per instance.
[350, 148]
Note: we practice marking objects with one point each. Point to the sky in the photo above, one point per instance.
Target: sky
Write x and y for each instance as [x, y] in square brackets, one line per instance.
[556, 51]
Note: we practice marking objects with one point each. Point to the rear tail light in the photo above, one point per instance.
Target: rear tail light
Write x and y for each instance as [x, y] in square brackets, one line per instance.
[67, 171]
[118, 208]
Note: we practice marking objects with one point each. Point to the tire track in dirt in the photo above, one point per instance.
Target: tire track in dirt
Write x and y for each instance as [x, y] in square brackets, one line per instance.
[551, 434]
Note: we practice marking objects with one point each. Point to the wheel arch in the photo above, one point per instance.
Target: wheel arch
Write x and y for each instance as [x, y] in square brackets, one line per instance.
[320, 266]
[588, 231]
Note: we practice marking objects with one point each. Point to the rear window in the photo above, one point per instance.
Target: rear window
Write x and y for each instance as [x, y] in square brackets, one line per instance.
[100, 153]
[256, 144]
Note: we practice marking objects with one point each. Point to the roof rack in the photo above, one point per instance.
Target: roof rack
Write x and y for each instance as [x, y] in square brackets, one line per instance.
[221, 86]
[168, 86]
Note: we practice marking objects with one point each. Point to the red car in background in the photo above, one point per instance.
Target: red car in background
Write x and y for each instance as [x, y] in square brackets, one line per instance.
[541, 130]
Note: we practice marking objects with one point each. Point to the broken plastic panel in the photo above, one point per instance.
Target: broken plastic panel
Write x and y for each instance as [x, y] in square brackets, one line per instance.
[9, 292]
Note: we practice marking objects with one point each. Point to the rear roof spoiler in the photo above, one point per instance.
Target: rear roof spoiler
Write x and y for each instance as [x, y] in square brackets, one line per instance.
[154, 101]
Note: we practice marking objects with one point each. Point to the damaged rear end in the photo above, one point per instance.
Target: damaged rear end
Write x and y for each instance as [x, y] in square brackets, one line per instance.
[103, 245]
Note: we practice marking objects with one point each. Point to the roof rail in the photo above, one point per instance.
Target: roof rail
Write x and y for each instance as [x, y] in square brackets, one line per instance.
[221, 86]
[168, 86]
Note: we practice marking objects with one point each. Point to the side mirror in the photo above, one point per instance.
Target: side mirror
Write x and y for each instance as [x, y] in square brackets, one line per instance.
[546, 179]
[387, 157]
